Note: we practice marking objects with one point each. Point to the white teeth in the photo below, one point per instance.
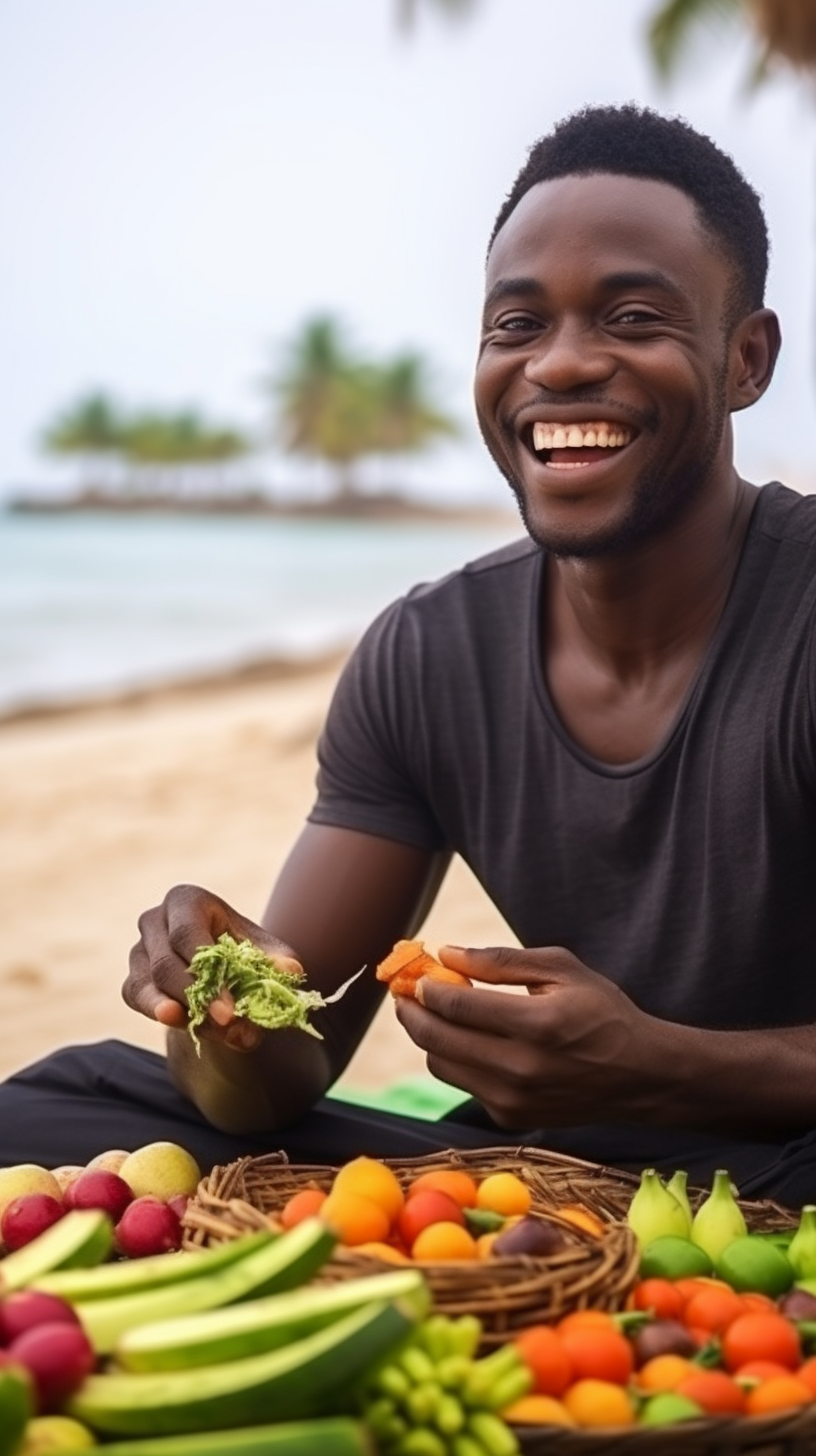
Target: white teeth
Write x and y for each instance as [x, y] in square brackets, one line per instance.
[574, 437]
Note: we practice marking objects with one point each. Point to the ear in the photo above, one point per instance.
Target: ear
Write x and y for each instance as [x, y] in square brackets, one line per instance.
[753, 352]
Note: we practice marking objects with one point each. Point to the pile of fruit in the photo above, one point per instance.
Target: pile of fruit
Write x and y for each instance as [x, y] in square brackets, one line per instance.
[143, 1193]
[190, 1352]
[442, 1215]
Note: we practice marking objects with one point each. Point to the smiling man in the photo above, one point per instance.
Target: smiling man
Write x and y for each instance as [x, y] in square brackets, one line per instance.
[611, 721]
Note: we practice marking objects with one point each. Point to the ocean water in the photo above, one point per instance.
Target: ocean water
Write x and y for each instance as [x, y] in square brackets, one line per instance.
[91, 603]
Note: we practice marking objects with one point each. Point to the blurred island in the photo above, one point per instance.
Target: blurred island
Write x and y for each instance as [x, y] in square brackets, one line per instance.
[331, 405]
[343, 505]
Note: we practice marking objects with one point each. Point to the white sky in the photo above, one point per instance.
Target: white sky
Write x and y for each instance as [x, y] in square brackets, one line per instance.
[183, 181]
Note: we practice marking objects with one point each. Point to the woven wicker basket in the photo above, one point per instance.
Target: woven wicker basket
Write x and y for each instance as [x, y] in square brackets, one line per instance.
[509, 1294]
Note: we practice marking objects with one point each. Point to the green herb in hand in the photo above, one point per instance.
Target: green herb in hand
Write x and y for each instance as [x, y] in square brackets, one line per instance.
[262, 991]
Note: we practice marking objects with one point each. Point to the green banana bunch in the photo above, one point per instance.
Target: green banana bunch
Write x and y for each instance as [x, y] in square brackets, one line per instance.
[435, 1398]
[719, 1219]
[655, 1212]
[802, 1248]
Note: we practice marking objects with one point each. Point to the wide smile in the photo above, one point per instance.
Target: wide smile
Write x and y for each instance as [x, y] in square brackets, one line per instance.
[577, 445]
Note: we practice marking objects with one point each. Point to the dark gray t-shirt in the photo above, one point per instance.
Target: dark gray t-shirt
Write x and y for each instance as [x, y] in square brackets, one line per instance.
[687, 876]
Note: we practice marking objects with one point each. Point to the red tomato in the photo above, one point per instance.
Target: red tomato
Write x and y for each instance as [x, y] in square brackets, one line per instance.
[427, 1207]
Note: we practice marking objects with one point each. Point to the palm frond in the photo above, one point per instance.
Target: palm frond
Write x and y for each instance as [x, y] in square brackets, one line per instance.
[671, 28]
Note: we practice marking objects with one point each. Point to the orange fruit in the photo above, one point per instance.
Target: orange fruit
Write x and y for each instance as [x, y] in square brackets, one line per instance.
[599, 1354]
[714, 1390]
[781, 1392]
[355, 1220]
[454, 1181]
[599, 1403]
[427, 1207]
[807, 1372]
[387, 1252]
[543, 1351]
[582, 1218]
[753, 1371]
[761, 1337]
[662, 1372]
[443, 1241]
[304, 1204]
[579, 1319]
[714, 1308]
[661, 1296]
[484, 1244]
[537, 1410]
[369, 1178]
[504, 1193]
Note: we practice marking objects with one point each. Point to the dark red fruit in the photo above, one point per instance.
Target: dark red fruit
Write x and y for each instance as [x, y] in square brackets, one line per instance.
[148, 1226]
[28, 1216]
[58, 1357]
[25, 1309]
[99, 1188]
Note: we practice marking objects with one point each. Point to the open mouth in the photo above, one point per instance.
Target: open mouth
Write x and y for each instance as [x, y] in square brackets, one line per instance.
[570, 447]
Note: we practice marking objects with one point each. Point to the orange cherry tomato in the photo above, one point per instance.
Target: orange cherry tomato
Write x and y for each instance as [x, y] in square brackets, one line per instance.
[599, 1354]
[543, 1350]
[761, 1337]
[659, 1295]
[426, 1207]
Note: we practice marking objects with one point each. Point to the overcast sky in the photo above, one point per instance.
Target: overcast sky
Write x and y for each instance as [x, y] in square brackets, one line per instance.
[183, 181]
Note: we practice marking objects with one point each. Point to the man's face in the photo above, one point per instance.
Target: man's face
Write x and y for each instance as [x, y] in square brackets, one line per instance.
[602, 378]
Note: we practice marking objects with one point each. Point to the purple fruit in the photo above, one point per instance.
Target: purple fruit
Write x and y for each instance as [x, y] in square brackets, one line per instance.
[148, 1226]
[58, 1357]
[28, 1216]
[25, 1309]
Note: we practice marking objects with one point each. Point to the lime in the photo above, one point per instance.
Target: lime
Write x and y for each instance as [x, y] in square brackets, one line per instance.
[752, 1263]
[671, 1257]
[667, 1407]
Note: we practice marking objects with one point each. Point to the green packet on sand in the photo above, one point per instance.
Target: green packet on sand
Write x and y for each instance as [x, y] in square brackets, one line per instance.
[262, 991]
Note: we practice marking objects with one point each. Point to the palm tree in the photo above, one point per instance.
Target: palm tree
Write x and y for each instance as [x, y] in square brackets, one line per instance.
[335, 405]
[92, 429]
[783, 29]
[408, 421]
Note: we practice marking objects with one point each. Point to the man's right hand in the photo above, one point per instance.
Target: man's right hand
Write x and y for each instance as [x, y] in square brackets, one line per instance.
[159, 973]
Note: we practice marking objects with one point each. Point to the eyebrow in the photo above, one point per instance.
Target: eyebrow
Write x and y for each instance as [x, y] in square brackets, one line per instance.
[612, 283]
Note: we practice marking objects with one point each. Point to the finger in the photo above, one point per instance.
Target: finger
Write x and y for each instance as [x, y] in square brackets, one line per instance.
[511, 966]
[222, 1009]
[465, 1045]
[140, 993]
[490, 1011]
[166, 970]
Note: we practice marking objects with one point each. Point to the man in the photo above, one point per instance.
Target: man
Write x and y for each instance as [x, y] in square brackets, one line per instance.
[611, 721]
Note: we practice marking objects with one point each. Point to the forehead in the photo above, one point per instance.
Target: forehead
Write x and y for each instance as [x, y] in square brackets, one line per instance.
[605, 224]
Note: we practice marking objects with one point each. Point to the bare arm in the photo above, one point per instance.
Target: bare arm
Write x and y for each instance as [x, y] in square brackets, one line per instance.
[577, 1050]
[340, 902]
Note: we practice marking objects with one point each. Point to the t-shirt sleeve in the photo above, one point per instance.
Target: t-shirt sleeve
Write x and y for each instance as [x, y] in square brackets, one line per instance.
[374, 741]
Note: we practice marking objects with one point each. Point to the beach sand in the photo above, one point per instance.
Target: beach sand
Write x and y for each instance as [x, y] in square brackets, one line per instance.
[105, 806]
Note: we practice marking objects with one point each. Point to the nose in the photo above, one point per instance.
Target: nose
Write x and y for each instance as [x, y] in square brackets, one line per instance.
[567, 356]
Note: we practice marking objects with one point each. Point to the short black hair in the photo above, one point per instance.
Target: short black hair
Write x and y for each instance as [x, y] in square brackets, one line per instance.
[634, 141]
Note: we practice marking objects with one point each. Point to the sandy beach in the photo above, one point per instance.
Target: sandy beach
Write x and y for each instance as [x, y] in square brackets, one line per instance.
[105, 806]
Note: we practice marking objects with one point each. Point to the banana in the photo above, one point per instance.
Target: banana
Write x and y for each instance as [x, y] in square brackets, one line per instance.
[132, 1276]
[332, 1436]
[654, 1211]
[719, 1219]
[262, 1324]
[80, 1238]
[310, 1377]
[283, 1263]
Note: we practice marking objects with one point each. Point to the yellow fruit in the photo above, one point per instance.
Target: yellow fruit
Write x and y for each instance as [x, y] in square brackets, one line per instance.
[162, 1170]
[369, 1178]
[111, 1160]
[55, 1433]
[504, 1193]
[26, 1178]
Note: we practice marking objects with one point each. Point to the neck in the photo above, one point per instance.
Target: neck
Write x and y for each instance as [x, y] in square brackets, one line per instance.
[636, 611]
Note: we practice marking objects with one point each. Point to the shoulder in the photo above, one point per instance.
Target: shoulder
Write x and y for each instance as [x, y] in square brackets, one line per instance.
[786, 515]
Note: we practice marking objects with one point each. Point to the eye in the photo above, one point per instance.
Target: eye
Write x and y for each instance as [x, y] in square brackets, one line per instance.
[635, 315]
[516, 323]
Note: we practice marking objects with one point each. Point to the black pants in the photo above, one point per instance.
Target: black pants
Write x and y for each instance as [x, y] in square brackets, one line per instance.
[86, 1099]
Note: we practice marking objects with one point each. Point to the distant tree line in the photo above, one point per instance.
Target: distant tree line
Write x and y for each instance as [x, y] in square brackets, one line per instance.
[329, 403]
